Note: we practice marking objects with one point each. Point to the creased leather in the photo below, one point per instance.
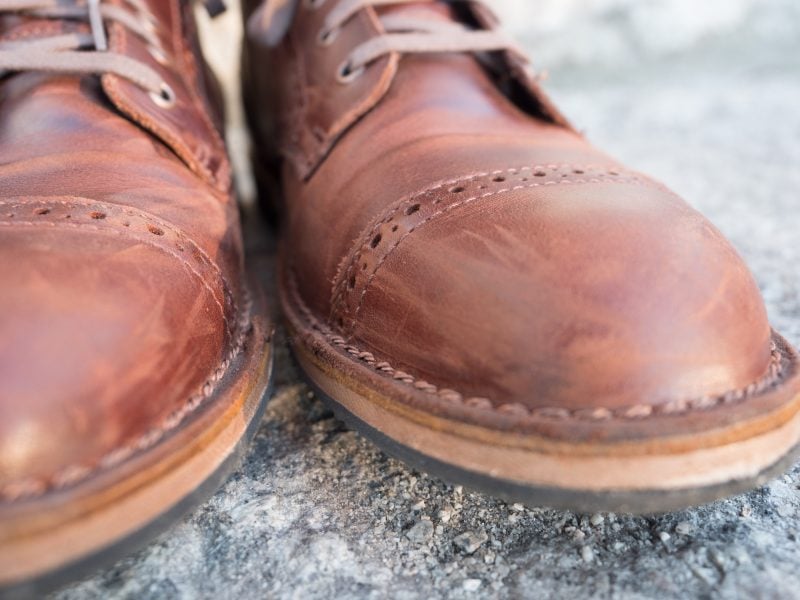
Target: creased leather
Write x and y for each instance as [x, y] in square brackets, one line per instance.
[121, 257]
[469, 238]
[313, 108]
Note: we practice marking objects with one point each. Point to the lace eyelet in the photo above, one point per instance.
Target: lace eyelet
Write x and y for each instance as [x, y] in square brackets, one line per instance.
[347, 74]
[313, 4]
[165, 97]
[326, 37]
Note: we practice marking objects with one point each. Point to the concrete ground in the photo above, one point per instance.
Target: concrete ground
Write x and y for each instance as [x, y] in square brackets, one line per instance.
[706, 97]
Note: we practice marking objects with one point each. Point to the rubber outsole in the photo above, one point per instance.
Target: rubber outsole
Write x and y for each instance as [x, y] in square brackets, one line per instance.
[583, 501]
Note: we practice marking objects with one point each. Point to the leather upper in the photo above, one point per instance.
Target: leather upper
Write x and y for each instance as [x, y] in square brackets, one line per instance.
[121, 253]
[464, 235]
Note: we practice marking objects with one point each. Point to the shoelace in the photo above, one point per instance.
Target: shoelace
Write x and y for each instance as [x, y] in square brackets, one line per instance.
[403, 34]
[86, 52]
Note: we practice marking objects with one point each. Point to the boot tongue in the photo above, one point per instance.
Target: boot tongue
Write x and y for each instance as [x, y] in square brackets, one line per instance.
[16, 27]
[466, 77]
[434, 11]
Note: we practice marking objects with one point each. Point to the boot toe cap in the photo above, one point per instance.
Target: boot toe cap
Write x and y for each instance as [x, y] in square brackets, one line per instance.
[605, 297]
[110, 326]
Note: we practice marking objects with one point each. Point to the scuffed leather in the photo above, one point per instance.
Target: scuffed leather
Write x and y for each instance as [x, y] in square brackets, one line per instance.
[121, 261]
[473, 244]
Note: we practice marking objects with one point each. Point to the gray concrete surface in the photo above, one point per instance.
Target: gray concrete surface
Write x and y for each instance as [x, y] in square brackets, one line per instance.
[705, 99]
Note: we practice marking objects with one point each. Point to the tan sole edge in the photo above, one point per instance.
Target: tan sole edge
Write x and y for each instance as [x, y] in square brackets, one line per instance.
[630, 476]
[64, 529]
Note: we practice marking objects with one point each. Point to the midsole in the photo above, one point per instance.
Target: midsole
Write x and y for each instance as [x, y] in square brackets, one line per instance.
[48, 539]
[602, 471]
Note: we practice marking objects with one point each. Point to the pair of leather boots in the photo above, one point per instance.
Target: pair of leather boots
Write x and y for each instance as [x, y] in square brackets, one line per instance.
[467, 280]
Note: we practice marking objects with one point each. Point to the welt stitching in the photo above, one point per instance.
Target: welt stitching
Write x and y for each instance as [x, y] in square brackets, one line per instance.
[75, 473]
[680, 406]
[455, 205]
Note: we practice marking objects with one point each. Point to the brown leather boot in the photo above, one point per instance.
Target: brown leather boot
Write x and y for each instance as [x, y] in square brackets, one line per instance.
[133, 360]
[484, 293]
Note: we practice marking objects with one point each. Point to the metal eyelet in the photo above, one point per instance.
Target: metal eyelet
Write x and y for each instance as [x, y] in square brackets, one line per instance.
[347, 74]
[165, 97]
[327, 36]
